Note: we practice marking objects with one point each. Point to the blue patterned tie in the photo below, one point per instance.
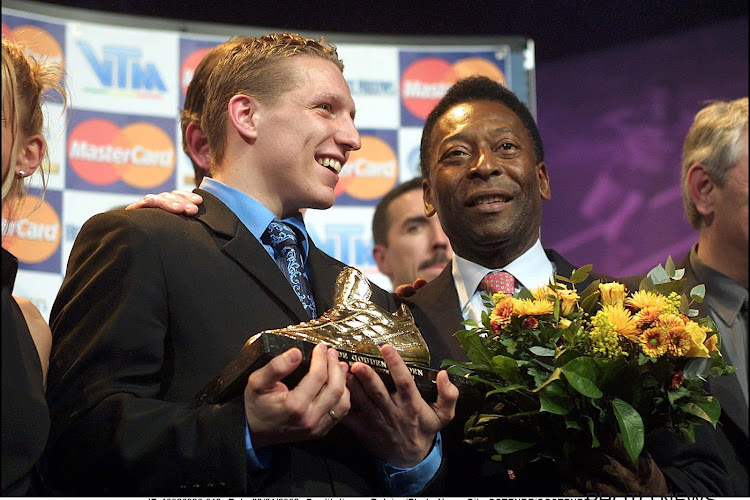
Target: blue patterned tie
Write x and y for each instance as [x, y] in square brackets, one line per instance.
[288, 255]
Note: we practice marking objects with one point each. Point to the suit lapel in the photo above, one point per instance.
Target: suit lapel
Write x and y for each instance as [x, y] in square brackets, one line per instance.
[323, 273]
[242, 247]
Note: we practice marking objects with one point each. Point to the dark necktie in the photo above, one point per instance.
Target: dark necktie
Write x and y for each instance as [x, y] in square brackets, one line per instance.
[498, 281]
[288, 256]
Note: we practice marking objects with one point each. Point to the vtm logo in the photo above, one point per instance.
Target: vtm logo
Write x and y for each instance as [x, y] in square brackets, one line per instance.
[37, 42]
[188, 67]
[121, 68]
[427, 80]
[370, 172]
[35, 238]
[141, 154]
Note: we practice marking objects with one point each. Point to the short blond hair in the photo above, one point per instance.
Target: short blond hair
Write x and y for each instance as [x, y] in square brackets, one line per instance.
[714, 140]
[255, 66]
[25, 80]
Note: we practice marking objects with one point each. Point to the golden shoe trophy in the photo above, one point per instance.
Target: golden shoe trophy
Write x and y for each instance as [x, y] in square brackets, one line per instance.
[354, 326]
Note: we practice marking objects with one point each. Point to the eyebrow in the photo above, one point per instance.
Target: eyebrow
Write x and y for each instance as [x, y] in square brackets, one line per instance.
[337, 99]
[411, 220]
[460, 136]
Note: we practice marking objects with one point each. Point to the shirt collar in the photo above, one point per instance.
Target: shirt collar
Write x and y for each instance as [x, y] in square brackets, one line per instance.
[252, 213]
[531, 269]
[725, 296]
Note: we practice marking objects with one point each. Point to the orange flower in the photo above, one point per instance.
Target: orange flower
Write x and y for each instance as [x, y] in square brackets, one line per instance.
[678, 343]
[531, 322]
[646, 317]
[500, 315]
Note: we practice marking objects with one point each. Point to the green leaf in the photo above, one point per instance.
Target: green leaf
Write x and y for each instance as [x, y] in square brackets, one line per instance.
[554, 376]
[593, 288]
[507, 446]
[594, 439]
[658, 275]
[542, 351]
[670, 269]
[582, 374]
[698, 292]
[670, 286]
[631, 427]
[697, 368]
[679, 274]
[553, 400]
[676, 394]
[474, 348]
[525, 294]
[707, 408]
[646, 284]
[684, 304]
[588, 303]
[581, 274]
[505, 367]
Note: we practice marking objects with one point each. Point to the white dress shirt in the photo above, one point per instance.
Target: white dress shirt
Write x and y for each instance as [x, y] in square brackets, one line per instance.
[531, 269]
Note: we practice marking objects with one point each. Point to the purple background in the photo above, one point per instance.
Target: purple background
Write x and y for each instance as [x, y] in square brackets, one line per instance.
[613, 123]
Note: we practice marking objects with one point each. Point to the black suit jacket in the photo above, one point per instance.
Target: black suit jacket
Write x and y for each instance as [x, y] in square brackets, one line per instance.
[153, 305]
[729, 437]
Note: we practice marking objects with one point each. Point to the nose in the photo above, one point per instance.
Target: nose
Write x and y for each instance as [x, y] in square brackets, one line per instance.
[347, 135]
[485, 166]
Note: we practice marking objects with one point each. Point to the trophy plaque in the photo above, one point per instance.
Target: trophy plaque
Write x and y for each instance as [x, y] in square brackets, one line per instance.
[354, 326]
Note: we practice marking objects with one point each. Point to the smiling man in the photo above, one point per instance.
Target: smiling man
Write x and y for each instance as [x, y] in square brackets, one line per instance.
[154, 304]
[484, 172]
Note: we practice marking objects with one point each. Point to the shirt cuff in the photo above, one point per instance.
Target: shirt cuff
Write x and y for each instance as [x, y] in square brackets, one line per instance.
[254, 462]
[410, 481]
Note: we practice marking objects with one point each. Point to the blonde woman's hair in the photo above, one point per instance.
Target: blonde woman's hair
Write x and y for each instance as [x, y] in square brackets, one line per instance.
[714, 140]
[256, 67]
[24, 82]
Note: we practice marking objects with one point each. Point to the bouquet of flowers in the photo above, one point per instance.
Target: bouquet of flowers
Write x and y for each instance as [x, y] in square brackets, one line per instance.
[564, 369]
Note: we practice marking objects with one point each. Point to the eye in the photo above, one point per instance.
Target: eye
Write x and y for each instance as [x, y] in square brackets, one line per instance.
[325, 107]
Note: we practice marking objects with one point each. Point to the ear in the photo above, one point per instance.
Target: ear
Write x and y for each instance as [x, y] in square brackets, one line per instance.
[379, 252]
[197, 144]
[701, 189]
[242, 111]
[429, 204]
[30, 155]
[541, 173]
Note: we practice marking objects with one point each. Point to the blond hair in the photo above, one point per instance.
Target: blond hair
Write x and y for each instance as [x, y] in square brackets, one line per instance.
[254, 67]
[714, 140]
[25, 80]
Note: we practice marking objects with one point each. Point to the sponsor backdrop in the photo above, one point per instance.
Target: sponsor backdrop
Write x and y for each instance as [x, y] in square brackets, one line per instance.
[120, 138]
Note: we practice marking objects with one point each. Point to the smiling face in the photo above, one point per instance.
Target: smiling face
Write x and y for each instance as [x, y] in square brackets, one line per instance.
[304, 139]
[485, 183]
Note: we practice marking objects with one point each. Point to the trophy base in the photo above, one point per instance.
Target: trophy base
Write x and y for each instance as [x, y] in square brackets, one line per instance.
[232, 379]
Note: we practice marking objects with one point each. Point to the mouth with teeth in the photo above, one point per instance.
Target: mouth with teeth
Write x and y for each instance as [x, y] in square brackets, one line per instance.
[331, 164]
[487, 200]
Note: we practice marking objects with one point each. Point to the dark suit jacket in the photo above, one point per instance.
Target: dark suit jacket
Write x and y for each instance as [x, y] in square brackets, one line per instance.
[697, 469]
[729, 437]
[153, 305]
[25, 416]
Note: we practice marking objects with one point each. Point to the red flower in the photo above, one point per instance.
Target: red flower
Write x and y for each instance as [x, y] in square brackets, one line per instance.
[531, 322]
[677, 379]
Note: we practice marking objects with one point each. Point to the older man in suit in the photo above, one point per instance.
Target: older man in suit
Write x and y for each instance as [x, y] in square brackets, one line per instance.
[715, 194]
[155, 304]
[484, 173]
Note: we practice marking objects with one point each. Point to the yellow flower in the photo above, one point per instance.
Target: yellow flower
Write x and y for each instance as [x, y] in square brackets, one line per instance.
[604, 337]
[527, 307]
[712, 344]
[543, 292]
[697, 340]
[621, 320]
[612, 293]
[568, 299]
[565, 323]
[669, 321]
[643, 299]
[654, 342]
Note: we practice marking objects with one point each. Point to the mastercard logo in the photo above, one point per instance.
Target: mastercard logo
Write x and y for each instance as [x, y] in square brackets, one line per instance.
[427, 80]
[188, 67]
[370, 172]
[140, 154]
[36, 237]
[37, 42]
